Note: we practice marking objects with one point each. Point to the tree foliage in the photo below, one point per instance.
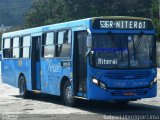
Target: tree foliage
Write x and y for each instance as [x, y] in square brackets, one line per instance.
[89, 8]
[155, 14]
[54, 11]
[46, 12]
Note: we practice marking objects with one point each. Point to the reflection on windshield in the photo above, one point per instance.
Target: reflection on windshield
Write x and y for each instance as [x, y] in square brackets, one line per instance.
[122, 51]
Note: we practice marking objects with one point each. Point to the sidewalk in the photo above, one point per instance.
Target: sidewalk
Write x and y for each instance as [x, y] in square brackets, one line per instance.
[0, 79]
[158, 74]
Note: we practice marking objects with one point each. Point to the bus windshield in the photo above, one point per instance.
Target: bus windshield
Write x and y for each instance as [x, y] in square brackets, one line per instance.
[122, 51]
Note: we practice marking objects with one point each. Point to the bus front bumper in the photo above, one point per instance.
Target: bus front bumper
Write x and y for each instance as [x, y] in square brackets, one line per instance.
[97, 93]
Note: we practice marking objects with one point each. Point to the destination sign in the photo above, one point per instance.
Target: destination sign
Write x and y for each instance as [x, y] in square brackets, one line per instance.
[122, 24]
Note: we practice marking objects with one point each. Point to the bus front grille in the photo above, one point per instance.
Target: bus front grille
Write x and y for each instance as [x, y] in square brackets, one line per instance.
[128, 75]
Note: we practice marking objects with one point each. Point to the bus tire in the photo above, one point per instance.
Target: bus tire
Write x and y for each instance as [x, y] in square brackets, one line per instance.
[67, 94]
[23, 88]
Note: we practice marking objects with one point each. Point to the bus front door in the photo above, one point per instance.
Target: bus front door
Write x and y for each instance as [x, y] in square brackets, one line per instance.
[80, 67]
[35, 63]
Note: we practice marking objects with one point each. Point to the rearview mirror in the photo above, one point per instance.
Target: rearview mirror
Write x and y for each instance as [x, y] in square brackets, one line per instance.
[89, 41]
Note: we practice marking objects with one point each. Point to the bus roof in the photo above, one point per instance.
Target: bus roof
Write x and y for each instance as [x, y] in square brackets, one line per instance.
[75, 23]
[122, 17]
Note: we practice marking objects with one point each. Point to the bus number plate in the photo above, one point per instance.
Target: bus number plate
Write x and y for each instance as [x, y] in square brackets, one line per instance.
[66, 63]
[129, 93]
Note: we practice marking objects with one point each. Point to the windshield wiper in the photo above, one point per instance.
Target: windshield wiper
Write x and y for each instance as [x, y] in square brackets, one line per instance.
[139, 40]
[137, 44]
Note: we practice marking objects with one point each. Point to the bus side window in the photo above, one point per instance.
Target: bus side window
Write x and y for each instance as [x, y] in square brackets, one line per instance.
[7, 48]
[64, 43]
[15, 52]
[25, 46]
[48, 46]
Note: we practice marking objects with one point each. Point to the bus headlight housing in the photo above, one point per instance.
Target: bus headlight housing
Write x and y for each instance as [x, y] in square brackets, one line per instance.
[99, 83]
[153, 82]
[102, 85]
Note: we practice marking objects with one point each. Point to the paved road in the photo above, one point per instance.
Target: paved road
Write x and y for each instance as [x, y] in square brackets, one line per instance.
[12, 107]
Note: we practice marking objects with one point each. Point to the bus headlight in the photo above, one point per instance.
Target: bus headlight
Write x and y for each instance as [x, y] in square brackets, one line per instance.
[99, 83]
[95, 81]
[153, 82]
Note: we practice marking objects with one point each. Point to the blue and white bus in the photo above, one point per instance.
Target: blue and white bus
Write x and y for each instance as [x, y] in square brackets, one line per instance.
[101, 58]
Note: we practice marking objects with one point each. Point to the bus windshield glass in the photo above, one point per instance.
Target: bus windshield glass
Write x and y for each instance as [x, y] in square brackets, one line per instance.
[122, 51]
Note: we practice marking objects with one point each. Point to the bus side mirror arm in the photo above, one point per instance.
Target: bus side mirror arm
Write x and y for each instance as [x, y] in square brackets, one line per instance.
[88, 52]
[89, 44]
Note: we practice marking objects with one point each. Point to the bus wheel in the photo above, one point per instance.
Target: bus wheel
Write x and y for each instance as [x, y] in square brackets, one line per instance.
[68, 97]
[22, 88]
